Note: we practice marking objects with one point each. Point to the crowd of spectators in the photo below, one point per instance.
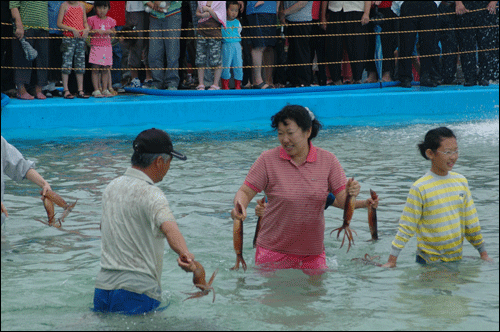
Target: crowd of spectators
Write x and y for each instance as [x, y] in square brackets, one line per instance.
[327, 32]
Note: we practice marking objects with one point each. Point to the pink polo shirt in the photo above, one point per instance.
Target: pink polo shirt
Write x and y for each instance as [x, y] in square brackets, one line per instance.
[294, 221]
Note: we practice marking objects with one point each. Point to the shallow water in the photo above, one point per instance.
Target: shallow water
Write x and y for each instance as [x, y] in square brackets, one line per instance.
[48, 275]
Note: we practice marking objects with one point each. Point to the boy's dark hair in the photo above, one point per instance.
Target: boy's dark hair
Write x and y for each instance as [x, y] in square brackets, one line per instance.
[300, 115]
[129, 35]
[102, 4]
[229, 3]
[433, 139]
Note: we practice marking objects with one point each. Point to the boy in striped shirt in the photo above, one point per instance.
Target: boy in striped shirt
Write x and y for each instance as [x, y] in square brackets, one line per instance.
[439, 207]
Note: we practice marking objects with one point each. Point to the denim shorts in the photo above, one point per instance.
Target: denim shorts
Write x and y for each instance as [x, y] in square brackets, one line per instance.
[123, 301]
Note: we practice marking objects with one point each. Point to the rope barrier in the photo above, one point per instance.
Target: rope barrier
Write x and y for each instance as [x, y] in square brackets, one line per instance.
[279, 25]
[288, 36]
[267, 66]
[291, 36]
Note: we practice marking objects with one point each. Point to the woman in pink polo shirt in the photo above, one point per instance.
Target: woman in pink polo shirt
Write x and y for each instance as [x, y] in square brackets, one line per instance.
[296, 178]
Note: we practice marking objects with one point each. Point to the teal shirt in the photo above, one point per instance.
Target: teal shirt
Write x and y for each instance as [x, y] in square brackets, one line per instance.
[233, 29]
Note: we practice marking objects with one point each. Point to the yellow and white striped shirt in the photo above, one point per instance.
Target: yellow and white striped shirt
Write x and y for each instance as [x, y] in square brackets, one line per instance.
[440, 209]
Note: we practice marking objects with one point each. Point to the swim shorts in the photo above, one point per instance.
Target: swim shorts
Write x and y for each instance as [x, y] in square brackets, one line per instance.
[123, 301]
[309, 264]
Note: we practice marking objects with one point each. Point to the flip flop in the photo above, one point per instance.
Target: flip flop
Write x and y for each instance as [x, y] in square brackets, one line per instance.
[214, 87]
[200, 87]
[68, 95]
[82, 94]
[261, 86]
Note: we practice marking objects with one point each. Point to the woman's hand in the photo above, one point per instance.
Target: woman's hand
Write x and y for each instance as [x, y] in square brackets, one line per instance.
[260, 207]
[365, 19]
[239, 212]
[19, 31]
[492, 7]
[4, 210]
[460, 8]
[354, 188]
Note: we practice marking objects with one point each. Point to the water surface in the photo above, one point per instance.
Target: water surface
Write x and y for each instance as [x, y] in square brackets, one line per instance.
[48, 275]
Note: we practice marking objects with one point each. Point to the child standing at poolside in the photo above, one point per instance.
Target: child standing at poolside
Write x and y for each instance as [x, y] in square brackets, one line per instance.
[73, 18]
[439, 207]
[212, 14]
[101, 52]
[231, 47]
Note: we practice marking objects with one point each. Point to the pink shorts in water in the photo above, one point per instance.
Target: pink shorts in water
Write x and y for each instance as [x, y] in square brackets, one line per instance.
[309, 264]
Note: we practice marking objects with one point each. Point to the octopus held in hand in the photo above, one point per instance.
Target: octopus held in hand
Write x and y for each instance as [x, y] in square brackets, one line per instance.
[372, 217]
[238, 244]
[368, 260]
[199, 282]
[48, 201]
[350, 204]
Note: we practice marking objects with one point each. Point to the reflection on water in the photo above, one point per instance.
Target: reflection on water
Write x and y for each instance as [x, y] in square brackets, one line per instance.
[48, 274]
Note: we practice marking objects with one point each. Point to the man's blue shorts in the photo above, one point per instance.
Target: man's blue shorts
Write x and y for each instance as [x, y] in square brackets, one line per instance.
[123, 301]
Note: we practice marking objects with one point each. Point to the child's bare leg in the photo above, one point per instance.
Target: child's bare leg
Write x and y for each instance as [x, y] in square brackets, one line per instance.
[201, 76]
[79, 82]
[217, 74]
[105, 79]
[95, 79]
[65, 79]
[110, 80]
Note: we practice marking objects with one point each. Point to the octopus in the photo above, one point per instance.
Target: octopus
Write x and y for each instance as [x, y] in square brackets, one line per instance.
[238, 244]
[199, 282]
[349, 206]
[368, 260]
[372, 218]
[48, 201]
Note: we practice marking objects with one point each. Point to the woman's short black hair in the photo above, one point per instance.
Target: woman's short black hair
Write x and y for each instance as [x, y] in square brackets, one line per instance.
[300, 115]
[102, 4]
[433, 139]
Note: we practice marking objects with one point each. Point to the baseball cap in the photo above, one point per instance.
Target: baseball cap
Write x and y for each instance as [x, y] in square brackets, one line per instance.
[155, 141]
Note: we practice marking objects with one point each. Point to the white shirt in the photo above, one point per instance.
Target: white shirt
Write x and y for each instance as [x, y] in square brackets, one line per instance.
[132, 241]
[347, 6]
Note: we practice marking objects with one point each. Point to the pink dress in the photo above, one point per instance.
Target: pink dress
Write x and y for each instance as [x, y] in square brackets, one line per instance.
[101, 52]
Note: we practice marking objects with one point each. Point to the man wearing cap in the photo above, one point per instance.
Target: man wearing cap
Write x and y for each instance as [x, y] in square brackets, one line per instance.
[136, 219]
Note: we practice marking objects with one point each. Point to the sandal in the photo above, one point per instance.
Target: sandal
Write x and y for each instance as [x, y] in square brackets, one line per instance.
[97, 94]
[68, 95]
[200, 87]
[214, 87]
[261, 86]
[82, 94]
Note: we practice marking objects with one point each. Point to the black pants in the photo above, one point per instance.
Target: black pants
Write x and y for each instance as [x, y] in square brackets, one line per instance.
[299, 51]
[426, 39]
[448, 39]
[470, 39]
[356, 45]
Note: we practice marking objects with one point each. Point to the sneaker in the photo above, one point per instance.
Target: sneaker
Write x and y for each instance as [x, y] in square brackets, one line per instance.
[172, 88]
[135, 83]
[147, 84]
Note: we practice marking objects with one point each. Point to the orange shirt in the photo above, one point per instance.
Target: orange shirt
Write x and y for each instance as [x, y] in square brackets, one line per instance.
[73, 17]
